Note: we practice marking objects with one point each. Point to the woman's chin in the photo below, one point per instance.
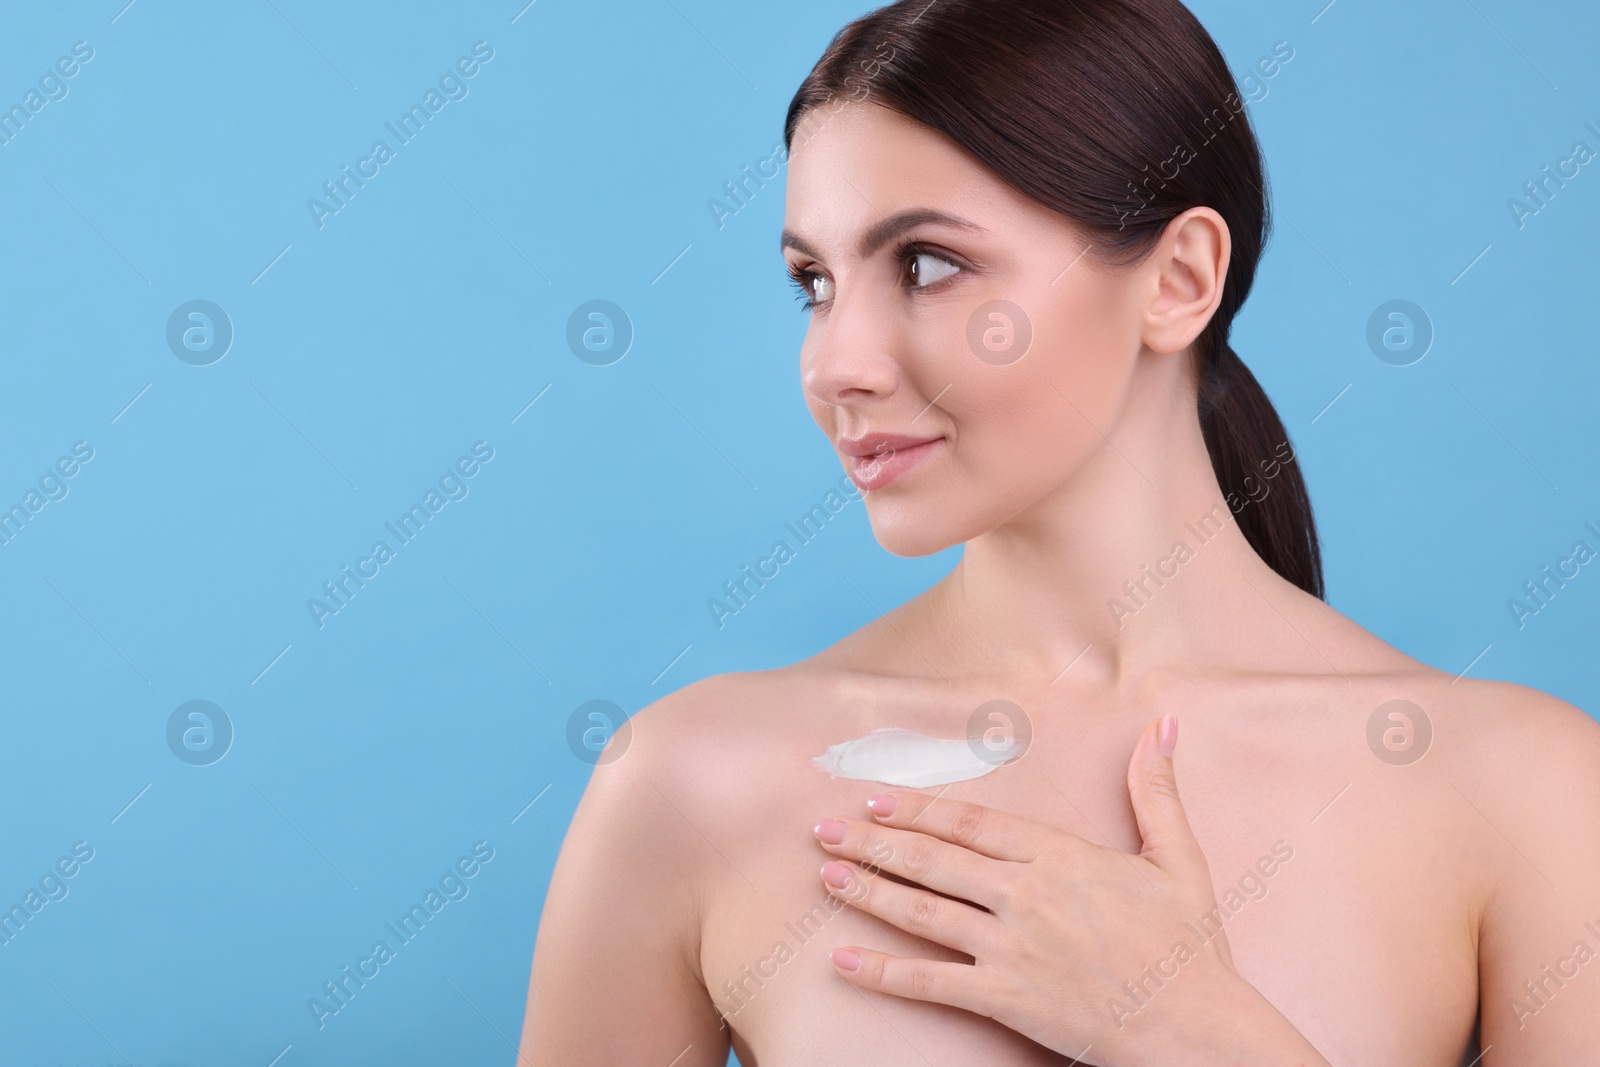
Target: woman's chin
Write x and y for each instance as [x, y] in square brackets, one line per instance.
[910, 531]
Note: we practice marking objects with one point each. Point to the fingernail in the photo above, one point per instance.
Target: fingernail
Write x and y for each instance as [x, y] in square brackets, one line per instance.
[845, 960]
[836, 875]
[829, 831]
[1167, 734]
[882, 805]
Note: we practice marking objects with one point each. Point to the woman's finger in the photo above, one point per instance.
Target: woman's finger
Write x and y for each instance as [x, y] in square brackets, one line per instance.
[916, 857]
[956, 984]
[944, 921]
[996, 834]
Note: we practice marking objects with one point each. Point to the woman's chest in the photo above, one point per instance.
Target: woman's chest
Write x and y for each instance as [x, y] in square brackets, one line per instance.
[1347, 924]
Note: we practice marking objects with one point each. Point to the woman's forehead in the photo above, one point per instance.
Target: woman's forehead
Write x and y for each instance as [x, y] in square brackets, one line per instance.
[866, 164]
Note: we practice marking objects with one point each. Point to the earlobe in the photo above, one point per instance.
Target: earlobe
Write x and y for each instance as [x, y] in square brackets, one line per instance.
[1191, 263]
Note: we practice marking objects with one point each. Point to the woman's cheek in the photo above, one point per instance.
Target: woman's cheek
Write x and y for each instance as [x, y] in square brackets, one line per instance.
[1022, 439]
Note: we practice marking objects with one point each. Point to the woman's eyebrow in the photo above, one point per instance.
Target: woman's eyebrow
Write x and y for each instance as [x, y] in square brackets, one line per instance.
[884, 231]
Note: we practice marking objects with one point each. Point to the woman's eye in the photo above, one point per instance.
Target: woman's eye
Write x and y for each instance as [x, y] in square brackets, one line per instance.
[922, 269]
[927, 268]
[810, 286]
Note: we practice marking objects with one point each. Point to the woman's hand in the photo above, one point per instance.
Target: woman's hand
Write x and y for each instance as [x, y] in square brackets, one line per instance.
[1112, 958]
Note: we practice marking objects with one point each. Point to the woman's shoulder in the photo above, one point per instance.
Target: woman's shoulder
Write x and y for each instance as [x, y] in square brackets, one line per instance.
[1520, 735]
[1497, 717]
[1509, 772]
[1523, 779]
[691, 751]
[735, 708]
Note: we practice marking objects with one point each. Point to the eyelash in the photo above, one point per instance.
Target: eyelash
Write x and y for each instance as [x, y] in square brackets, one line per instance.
[802, 278]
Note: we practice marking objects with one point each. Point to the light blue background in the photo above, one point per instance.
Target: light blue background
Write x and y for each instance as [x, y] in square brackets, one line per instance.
[427, 314]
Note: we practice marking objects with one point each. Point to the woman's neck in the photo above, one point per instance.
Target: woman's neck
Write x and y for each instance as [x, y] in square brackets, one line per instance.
[1135, 568]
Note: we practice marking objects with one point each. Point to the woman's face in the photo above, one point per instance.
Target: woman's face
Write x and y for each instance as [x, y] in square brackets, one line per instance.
[984, 332]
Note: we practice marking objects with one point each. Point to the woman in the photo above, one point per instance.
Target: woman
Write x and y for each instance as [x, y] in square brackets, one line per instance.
[1023, 229]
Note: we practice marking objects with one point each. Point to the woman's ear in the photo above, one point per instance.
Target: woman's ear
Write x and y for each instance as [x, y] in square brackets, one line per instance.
[1188, 269]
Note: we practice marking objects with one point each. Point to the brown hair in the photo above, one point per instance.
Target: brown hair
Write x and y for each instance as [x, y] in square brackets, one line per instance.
[1120, 115]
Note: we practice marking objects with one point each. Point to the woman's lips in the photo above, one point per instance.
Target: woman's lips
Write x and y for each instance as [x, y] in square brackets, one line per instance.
[875, 472]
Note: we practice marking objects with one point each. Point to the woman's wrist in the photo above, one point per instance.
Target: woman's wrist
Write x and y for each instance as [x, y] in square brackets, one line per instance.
[1235, 1025]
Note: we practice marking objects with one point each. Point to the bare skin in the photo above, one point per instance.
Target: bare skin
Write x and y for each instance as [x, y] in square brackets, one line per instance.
[689, 882]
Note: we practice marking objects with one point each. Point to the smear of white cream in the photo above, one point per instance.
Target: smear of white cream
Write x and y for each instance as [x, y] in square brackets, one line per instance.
[904, 757]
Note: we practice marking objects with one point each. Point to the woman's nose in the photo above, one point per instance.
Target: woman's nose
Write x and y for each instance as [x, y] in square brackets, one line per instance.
[852, 354]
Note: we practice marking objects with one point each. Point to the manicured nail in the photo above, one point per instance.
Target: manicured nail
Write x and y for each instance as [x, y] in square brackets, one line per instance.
[845, 960]
[1167, 734]
[836, 874]
[882, 805]
[829, 831]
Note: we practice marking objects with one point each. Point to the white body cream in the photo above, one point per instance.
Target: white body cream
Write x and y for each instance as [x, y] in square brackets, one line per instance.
[904, 757]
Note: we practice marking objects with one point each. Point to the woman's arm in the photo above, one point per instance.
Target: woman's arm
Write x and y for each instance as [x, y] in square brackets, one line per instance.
[1539, 938]
[615, 968]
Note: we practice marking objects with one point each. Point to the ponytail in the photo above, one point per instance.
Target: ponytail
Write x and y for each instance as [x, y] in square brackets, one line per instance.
[1249, 450]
